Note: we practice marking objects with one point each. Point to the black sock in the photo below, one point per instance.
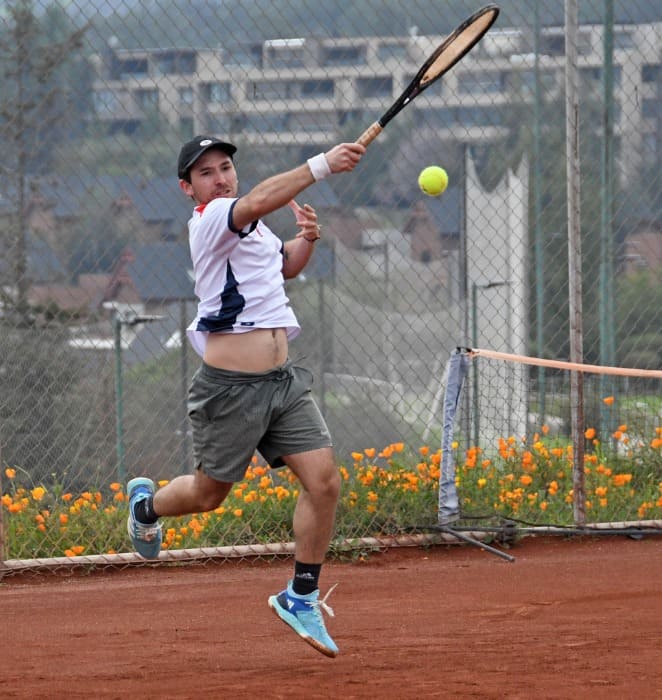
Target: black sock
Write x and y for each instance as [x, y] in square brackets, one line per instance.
[143, 511]
[306, 577]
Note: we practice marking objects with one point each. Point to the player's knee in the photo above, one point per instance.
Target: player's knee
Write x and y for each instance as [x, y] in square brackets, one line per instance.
[329, 484]
[210, 499]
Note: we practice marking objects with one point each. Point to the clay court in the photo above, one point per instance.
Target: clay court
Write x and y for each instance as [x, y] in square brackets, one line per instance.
[570, 618]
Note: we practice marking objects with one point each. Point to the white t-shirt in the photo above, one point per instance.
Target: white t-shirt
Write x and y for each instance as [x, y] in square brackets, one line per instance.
[238, 276]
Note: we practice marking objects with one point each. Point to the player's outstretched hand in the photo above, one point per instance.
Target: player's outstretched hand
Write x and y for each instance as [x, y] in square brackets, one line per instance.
[344, 157]
[306, 218]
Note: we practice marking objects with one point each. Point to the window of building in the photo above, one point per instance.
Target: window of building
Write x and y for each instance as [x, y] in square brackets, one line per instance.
[260, 122]
[106, 102]
[317, 88]
[478, 116]
[216, 93]
[525, 82]
[651, 73]
[271, 90]
[186, 96]
[175, 63]
[553, 45]
[344, 56]
[481, 82]
[623, 41]
[131, 68]
[249, 56]
[651, 108]
[388, 52]
[219, 124]
[147, 99]
[374, 87]
[285, 53]
[313, 121]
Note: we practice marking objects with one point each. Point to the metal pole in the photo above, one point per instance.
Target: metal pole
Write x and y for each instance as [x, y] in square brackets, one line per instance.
[119, 399]
[323, 339]
[537, 213]
[607, 340]
[474, 343]
[183, 369]
[574, 257]
[2, 522]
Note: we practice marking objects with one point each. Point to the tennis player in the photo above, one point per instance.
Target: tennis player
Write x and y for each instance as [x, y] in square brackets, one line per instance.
[248, 395]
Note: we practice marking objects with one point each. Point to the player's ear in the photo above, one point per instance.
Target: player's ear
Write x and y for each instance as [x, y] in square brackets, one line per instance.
[186, 188]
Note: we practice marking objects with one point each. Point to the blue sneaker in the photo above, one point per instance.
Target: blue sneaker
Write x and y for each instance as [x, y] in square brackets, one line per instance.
[146, 538]
[303, 613]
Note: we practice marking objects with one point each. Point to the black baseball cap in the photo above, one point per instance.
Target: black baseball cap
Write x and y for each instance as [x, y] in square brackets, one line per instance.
[194, 148]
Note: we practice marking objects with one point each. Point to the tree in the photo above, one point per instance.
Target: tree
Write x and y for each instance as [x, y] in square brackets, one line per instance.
[32, 106]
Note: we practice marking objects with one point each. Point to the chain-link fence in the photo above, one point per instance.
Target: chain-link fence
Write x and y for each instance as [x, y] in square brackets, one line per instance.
[95, 285]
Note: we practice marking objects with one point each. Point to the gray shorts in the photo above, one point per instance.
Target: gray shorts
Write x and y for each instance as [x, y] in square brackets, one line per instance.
[233, 414]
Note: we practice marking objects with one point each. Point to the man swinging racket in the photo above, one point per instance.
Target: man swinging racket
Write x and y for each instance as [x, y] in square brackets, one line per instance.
[247, 395]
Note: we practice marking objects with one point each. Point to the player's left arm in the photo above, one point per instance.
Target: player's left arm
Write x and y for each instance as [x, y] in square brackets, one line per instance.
[298, 251]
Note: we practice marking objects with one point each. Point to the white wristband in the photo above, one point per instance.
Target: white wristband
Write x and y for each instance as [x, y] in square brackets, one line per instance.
[319, 167]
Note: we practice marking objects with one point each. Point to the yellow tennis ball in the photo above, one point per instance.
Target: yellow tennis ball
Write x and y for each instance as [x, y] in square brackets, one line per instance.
[433, 180]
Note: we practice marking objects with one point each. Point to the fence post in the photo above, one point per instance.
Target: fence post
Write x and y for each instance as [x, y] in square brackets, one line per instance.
[2, 521]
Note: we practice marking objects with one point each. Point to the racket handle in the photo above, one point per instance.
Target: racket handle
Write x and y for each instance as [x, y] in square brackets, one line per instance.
[370, 134]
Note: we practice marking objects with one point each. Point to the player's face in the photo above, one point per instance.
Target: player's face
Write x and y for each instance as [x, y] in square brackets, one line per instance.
[213, 175]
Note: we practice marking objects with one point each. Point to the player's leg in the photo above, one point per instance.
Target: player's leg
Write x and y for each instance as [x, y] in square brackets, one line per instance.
[299, 605]
[315, 512]
[190, 493]
[222, 442]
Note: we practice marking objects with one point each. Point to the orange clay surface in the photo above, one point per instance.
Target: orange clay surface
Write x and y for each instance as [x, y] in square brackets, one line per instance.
[570, 618]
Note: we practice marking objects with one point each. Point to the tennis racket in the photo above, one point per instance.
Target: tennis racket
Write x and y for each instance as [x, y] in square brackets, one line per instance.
[446, 55]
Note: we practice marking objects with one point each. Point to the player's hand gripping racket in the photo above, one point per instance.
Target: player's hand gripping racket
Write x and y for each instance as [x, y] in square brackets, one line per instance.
[446, 55]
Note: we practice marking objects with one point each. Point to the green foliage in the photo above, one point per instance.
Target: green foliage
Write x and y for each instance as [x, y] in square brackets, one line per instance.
[383, 493]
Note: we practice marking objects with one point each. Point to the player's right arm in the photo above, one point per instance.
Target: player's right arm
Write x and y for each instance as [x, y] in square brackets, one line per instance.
[277, 191]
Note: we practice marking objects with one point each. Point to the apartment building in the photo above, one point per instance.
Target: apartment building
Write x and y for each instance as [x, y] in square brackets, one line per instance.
[299, 92]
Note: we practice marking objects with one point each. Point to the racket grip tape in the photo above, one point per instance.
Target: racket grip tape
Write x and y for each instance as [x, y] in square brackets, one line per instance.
[370, 134]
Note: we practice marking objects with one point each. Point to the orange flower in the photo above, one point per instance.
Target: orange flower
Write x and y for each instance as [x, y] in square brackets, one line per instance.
[10, 473]
[370, 452]
[608, 400]
[37, 493]
[589, 433]
[424, 451]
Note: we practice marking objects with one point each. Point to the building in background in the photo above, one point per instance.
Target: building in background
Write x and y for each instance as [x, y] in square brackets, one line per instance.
[300, 92]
